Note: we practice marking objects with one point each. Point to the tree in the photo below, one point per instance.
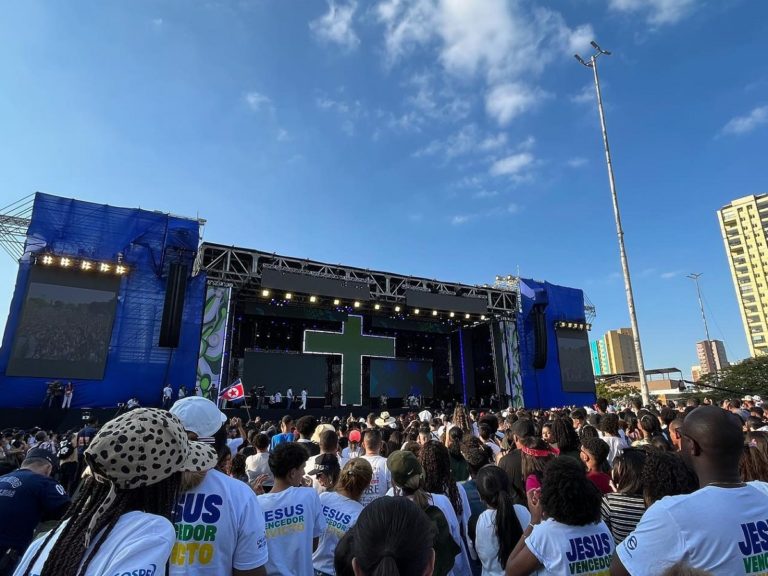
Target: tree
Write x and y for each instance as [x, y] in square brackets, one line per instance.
[615, 390]
[748, 377]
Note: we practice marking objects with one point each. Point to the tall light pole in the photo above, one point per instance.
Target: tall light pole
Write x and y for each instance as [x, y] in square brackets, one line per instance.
[695, 277]
[592, 63]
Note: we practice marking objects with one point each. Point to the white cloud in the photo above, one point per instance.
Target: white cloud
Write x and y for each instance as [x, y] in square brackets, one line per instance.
[348, 111]
[256, 101]
[157, 23]
[669, 275]
[282, 135]
[335, 26]
[658, 12]
[577, 162]
[467, 140]
[513, 208]
[743, 124]
[585, 96]
[512, 165]
[502, 42]
[460, 219]
[484, 194]
[507, 101]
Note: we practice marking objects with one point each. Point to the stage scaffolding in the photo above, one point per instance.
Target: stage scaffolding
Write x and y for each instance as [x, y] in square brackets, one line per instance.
[242, 269]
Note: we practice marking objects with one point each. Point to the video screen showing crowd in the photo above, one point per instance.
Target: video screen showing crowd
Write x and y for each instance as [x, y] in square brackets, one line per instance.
[673, 489]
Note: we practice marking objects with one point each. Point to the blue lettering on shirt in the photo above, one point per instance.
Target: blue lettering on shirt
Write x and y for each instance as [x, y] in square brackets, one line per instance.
[584, 547]
[755, 538]
[190, 508]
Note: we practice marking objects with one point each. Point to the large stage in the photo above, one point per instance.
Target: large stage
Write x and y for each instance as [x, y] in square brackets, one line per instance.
[122, 302]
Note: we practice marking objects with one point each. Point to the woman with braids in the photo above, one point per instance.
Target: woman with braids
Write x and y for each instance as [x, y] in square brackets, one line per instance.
[565, 535]
[499, 527]
[461, 419]
[392, 537]
[565, 438]
[622, 510]
[341, 507]
[408, 481]
[122, 520]
[459, 467]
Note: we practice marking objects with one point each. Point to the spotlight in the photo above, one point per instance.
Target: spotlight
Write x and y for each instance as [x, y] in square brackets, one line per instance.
[313, 299]
[288, 295]
[377, 307]
[120, 270]
[357, 304]
[397, 308]
[482, 317]
[104, 267]
[434, 312]
[336, 302]
[265, 292]
[85, 265]
[47, 260]
[416, 311]
[65, 262]
[466, 316]
[452, 314]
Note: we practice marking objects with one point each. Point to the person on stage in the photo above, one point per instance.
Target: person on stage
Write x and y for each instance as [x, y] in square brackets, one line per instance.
[278, 399]
[167, 396]
[182, 392]
[304, 399]
[289, 398]
[69, 390]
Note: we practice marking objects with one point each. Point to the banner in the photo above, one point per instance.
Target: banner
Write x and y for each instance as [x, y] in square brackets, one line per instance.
[213, 337]
[510, 351]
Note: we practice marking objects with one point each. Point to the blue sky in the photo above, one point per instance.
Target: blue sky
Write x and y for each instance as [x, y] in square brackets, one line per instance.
[453, 139]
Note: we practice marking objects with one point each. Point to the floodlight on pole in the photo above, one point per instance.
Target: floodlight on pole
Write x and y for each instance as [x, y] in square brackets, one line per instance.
[695, 277]
[592, 63]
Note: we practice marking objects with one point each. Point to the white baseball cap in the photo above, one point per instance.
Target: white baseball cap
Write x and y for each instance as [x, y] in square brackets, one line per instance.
[199, 415]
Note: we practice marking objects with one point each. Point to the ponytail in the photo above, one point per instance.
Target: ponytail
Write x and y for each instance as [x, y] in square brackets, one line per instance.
[493, 487]
[387, 566]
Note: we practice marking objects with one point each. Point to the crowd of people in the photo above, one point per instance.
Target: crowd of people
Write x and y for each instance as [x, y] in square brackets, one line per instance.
[605, 489]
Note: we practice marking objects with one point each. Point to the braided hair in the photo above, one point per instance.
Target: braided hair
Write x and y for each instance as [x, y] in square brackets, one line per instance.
[68, 554]
[436, 461]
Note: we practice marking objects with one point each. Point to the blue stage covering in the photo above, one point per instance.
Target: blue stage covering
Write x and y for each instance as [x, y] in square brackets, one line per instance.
[144, 241]
[543, 388]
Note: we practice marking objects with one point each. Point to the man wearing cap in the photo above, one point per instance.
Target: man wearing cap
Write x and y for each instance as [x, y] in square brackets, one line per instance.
[28, 496]
[216, 513]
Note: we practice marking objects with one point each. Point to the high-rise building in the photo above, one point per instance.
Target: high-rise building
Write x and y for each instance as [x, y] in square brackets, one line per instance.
[744, 223]
[614, 353]
[695, 373]
[711, 355]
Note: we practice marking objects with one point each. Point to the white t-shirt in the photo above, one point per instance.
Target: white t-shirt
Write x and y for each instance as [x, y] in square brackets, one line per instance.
[258, 464]
[487, 543]
[461, 565]
[138, 543]
[495, 448]
[233, 444]
[615, 447]
[340, 515]
[722, 530]
[381, 481]
[219, 527]
[292, 518]
[348, 454]
[566, 550]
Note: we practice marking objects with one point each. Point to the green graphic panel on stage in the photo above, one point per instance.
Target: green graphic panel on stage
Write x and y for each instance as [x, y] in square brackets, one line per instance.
[212, 337]
[351, 344]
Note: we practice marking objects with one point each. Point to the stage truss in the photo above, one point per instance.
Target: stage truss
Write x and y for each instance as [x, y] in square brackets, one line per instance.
[14, 221]
[242, 269]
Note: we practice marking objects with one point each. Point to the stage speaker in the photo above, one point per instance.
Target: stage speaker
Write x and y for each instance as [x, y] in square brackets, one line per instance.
[539, 319]
[170, 329]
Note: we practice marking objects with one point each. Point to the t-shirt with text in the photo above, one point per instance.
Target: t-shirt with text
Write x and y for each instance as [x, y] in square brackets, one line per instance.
[380, 482]
[565, 550]
[139, 543]
[292, 518]
[340, 515]
[722, 530]
[219, 526]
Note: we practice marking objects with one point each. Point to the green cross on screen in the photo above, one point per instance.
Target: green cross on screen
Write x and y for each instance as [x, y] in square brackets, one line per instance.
[351, 344]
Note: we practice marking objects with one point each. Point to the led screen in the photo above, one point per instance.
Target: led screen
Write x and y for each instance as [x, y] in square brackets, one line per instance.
[66, 325]
[575, 361]
[278, 371]
[398, 378]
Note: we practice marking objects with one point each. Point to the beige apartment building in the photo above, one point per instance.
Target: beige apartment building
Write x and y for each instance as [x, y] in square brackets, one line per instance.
[743, 224]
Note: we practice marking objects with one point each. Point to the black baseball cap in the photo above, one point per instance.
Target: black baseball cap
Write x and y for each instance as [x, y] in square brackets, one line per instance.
[45, 455]
[325, 464]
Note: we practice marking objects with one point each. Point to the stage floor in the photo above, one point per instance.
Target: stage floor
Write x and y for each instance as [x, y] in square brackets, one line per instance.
[61, 421]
